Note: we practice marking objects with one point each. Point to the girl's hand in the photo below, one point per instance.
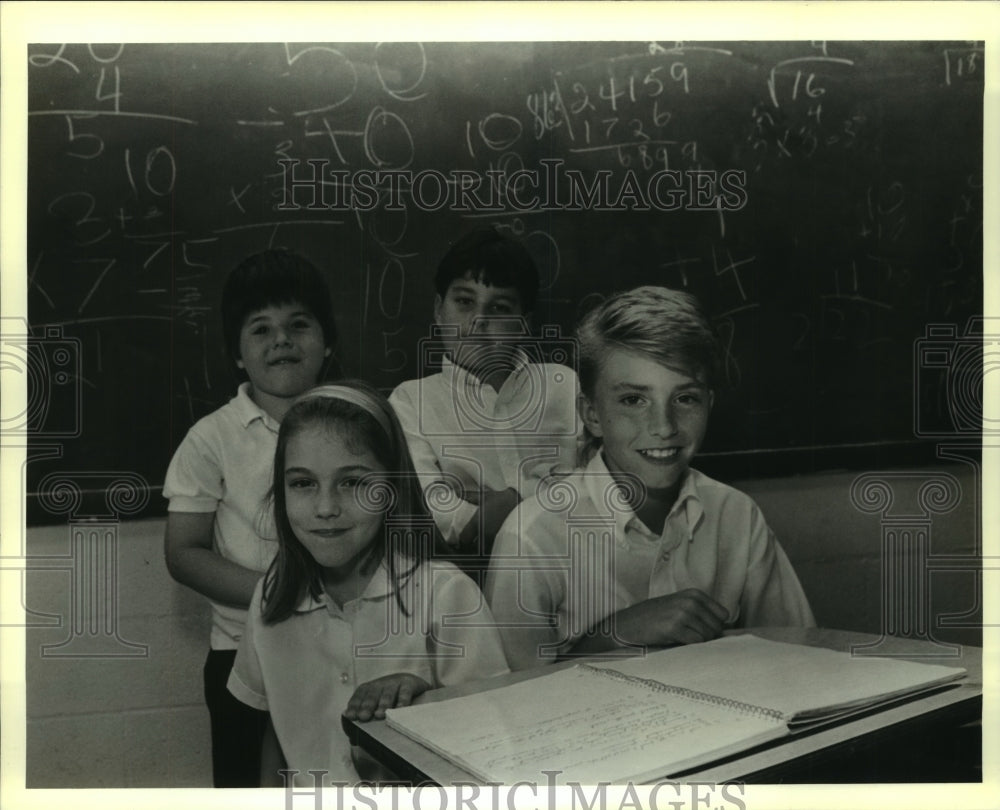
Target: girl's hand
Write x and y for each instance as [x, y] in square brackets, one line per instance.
[388, 692]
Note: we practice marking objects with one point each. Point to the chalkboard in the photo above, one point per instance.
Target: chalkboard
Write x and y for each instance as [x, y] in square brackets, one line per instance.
[823, 198]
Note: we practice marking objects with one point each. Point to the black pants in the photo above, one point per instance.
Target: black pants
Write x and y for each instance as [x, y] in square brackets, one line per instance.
[237, 729]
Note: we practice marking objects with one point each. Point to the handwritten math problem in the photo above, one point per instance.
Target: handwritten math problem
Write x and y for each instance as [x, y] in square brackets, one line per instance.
[823, 198]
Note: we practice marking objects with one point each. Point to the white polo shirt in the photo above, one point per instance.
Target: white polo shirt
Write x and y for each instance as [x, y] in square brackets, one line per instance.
[576, 554]
[466, 434]
[304, 670]
[224, 465]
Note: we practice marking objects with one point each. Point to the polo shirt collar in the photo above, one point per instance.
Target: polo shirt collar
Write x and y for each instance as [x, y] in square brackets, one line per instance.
[598, 480]
[248, 410]
[379, 586]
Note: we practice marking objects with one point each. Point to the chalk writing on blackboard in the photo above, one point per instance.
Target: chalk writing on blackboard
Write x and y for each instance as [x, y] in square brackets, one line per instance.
[787, 184]
[962, 64]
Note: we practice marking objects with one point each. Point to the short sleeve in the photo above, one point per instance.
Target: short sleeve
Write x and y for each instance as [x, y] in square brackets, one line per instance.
[194, 480]
[773, 595]
[464, 637]
[246, 681]
[523, 596]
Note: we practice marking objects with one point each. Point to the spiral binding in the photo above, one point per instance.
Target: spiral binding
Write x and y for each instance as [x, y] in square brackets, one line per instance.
[691, 694]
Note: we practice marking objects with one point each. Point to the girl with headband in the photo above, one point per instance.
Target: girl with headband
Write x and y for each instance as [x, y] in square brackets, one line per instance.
[350, 617]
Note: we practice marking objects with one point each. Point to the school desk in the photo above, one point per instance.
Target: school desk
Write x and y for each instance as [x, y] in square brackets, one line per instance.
[934, 738]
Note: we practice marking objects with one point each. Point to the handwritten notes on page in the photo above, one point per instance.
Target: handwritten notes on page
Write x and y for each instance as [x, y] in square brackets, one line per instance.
[580, 726]
[654, 716]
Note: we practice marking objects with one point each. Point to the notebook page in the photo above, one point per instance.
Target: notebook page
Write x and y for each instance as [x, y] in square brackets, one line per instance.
[585, 726]
[796, 680]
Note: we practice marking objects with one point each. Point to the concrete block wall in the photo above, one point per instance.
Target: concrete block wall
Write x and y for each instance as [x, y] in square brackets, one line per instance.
[836, 548]
[125, 720]
[139, 721]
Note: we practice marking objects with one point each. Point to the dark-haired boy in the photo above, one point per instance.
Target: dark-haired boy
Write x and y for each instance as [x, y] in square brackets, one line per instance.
[496, 418]
[279, 330]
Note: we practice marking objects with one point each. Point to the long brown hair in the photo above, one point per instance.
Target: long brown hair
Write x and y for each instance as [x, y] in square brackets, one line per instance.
[366, 420]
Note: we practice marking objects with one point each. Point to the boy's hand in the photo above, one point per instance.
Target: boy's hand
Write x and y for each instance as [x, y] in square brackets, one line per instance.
[494, 507]
[388, 692]
[685, 617]
[507, 498]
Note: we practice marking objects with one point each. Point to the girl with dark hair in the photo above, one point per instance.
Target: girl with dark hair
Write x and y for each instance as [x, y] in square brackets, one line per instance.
[351, 618]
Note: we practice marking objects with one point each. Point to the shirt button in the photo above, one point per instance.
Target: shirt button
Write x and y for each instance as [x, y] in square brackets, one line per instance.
[344, 677]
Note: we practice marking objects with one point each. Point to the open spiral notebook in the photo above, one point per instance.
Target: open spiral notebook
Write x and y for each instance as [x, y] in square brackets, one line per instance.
[647, 718]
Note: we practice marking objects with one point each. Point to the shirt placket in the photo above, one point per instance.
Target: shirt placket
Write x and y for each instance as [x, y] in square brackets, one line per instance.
[485, 400]
[345, 617]
[663, 577]
[507, 447]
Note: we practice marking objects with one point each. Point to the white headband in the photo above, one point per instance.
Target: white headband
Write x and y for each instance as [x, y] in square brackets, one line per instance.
[364, 401]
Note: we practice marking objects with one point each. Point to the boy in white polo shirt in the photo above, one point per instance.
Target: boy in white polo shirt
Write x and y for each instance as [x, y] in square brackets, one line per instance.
[497, 418]
[637, 549]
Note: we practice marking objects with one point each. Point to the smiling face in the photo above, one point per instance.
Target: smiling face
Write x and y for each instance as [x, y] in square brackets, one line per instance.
[282, 350]
[651, 419]
[487, 317]
[325, 508]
